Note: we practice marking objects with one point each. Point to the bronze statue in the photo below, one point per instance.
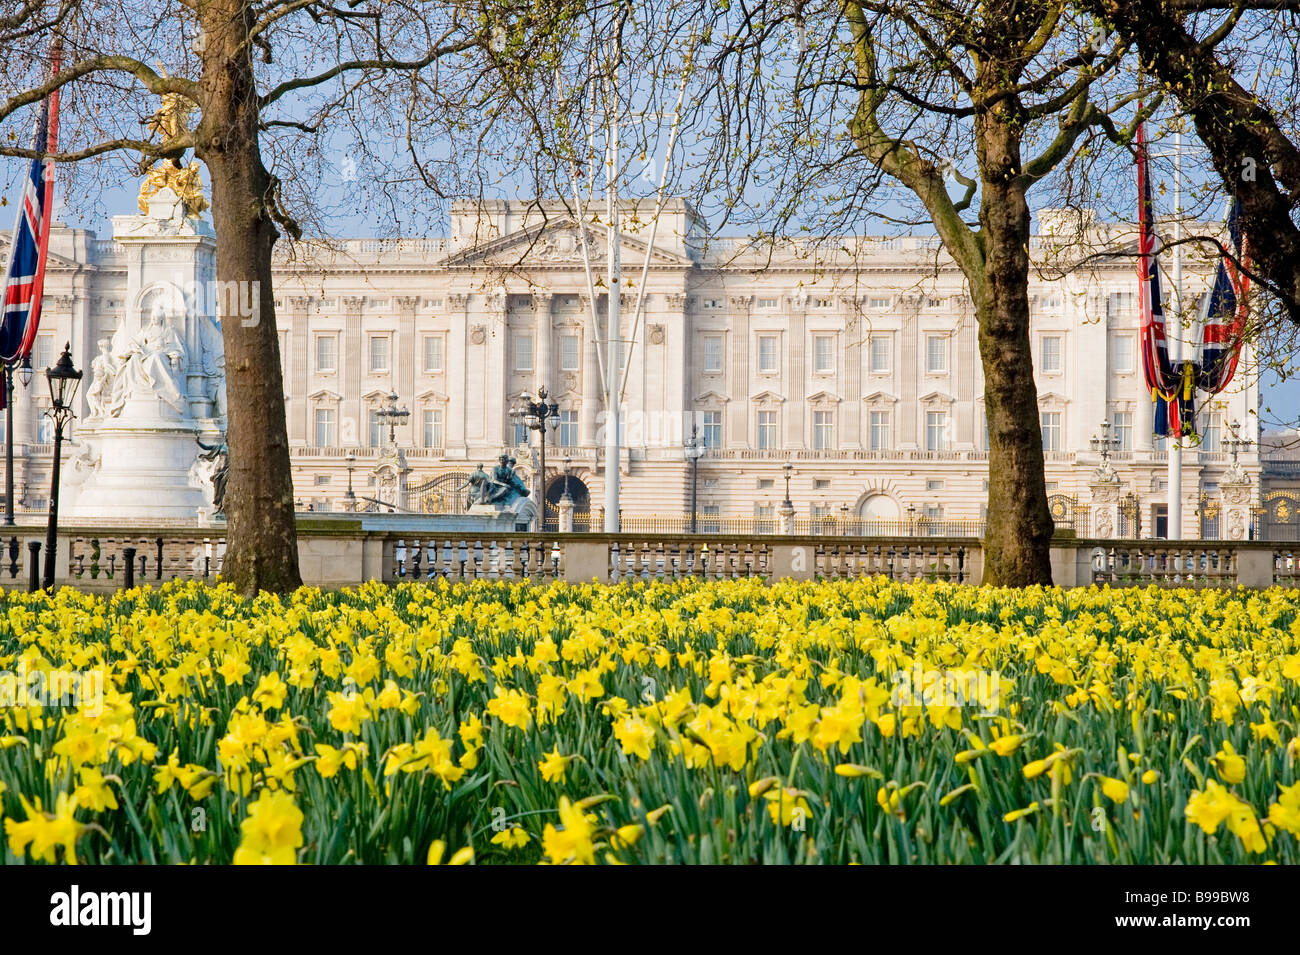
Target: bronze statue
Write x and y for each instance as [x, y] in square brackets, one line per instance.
[502, 488]
[218, 457]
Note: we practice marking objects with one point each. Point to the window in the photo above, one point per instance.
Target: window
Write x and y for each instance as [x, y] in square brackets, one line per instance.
[823, 355]
[766, 430]
[768, 354]
[44, 354]
[711, 429]
[569, 352]
[710, 523]
[44, 425]
[1050, 422]
[984, 430]
[1049, 354]
[433, 354]
[767, 303]
[712, 354]
[1212, 433]
[1120, 302]
[1124, 430]
[377, 302]
[936, 431]
[568, 429]
[881, 438]
[1121, 353]
[327, 347]
[523, 351]
[821, 484]
[936, 354]
[933, 484]
[822, 303]
[713, 303]
[879, 355]
[431, 303]
[379, 353]
[764, 519]
[322, 480]
[823, 430]
[878, 303]
[432, 427]
[374, 429]
[325, 427]
[766, 484]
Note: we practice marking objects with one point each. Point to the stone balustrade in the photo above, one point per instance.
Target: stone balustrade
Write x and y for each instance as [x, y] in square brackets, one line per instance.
[338, 553]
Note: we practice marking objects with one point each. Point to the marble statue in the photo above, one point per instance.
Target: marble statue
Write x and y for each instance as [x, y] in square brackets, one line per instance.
[216, 464]
[150, 364]
[103, 369]
[213, 363]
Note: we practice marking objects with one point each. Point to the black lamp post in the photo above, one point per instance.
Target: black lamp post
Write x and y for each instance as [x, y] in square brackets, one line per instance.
[911, 520]
[351, 495]
[1105, 444]
[787, 468]
[63, 379]
[694, 449]
[25, 377]
[538, 416]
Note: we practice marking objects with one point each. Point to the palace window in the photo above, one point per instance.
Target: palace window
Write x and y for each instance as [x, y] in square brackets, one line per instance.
[1121, 354]
[433, 354]
[1050, 354]
[823, 354]
[568, 429]
[936, 354]
[823, 430]
[569, 352]
[881, 438]
[712, 354]
[325, 427]
[766, 430]
[1124, 430]
[769, 355]
[432, 427]
[380, 353]
[1050, 422]
[374, 429]
[936, 431]
[523, 351]
[711, 429]
[880, 357]
[327, 347]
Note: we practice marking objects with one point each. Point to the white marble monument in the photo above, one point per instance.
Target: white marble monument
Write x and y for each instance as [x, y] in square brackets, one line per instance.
[158, 382]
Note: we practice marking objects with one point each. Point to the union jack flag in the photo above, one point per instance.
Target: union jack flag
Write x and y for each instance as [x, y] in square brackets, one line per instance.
[1224, 317]
[20, 309]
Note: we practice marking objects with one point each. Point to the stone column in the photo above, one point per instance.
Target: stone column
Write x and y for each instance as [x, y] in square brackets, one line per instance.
[498, 331]
[299, 358]
[793, 423]
[850, 429]
[544, 372]
[968, 356]
[737, 372]
[1105, 504]
[590, 379]
[405, 351]
[566, 514]
[352, 430]
[456, 360]
[909, 370]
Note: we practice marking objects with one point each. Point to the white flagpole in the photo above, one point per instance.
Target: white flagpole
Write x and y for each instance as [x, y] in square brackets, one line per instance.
[613, 325]
[1174, 331]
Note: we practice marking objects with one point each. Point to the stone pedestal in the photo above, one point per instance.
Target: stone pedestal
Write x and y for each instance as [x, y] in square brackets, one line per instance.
[565, 508]
[1105, 507]
[787, 520]
[143, 473]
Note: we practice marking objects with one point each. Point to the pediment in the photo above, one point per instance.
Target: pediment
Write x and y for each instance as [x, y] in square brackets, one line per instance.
[715, 396]
[1053, 398]
[880, 397]
[325, 394]
[823, 398]
[52, 259]
[557, 243]
[431, 395]
[767, 396]
[935, 397]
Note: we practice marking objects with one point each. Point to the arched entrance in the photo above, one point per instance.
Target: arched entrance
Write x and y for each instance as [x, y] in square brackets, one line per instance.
[581, 503]
[879, 515]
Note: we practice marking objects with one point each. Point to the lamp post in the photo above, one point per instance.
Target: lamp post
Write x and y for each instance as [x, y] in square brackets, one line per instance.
[393, 415]
[538, 416]
[1105, 444]
[844, 518]
[1235, 443]
[911, 520]
[351, 495]
[63, 379]
[694, 450]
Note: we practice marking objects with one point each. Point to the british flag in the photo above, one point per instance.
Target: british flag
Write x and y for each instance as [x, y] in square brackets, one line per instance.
[1224, 317]
[28, 244]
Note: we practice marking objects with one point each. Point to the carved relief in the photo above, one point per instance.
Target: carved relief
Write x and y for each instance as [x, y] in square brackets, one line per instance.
[478, 334]
[657, 334]
[407, 303]
[676, 300]
[353, 303]
[457, 299]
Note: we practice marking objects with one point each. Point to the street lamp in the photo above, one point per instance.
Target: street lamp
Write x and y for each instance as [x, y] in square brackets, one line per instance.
[351, 495]
[63, 379]
[911, 520]
[538, 416]
[787, 468]
[1237, 444]
[393, 415]
[1105, 444]
[694, 449]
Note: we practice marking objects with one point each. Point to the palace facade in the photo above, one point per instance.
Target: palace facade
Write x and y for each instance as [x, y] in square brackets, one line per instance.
[849, 368]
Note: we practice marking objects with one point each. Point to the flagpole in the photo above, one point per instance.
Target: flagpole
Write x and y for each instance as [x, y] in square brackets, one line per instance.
[614, 288]
[1174, 331]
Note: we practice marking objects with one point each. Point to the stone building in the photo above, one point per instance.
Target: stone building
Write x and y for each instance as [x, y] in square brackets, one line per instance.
[854, 362]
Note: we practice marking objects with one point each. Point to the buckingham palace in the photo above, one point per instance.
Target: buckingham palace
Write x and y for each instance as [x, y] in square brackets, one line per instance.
[842, 376]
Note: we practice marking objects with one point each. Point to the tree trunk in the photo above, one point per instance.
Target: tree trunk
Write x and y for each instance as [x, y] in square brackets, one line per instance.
[261, 536]
[1018, 533]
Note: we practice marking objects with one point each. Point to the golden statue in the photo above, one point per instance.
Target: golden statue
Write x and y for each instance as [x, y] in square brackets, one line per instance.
[170, 121]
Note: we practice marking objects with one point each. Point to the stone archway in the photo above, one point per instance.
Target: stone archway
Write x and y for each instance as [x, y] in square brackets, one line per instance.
[581, 497]
[879, 515]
